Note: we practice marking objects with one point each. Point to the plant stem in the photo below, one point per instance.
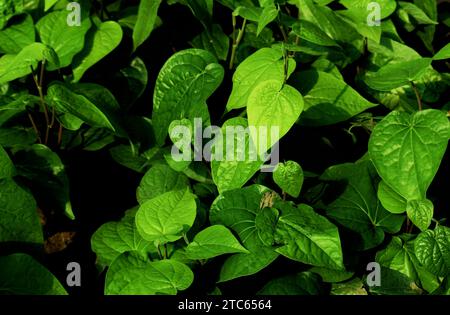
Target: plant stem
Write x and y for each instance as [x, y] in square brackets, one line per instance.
[166, 254]
[60, 130]
[38, 84]
[36, 130]
[159, 252]
[236, 42]
[186, 240]
[419, 100]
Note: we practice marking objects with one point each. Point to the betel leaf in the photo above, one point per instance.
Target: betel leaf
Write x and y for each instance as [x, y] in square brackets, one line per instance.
[183, 85]
[387, 6]
[265, 64]
[399, 256]
[66, 101]
[332, 276]
[443, 54]
[47, 175]
[358, 207]
[417, 13]
[146, 18]
[268, 14]
[166, 217]
[237, 209]
[394, 75]
[21, 274]
[101, 40]
[48, 4]
[239, 160]
[304, 283]
[160, 179]
[432, 248]
[289, 177]
[50, 29]
[391, 200]
[7, 169]
[17, 36]
[16, 66]
[114, 238]
[328, 100]
[305, 236]
[20, 222]
[213, 241]
[308, 31]
[352, 287]
[213, 40]
[420, 212]
[394, 283]
[130, 274]
[266, 222]
[275, 107]
[407, 149]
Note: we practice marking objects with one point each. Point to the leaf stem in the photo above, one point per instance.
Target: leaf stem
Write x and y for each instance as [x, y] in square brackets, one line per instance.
[236, 41]
[416, 91]
[38, 84]
[186, 240]
[36, 130]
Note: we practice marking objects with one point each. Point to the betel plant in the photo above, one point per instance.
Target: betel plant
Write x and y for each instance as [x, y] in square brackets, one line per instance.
[356, 87]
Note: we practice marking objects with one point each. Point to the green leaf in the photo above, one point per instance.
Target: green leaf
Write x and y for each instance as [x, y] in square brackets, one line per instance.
[328, 100]
[304, 283]
[8, 9]
[213, 241]
[268, 14]
[352, 287]
[308, 237]
[183, 85]
[266, 222]
[399, 256]
[417, 13]
[420, 212]
[20, 274]
[237, 209]
[49, 181]
[50, 29]
[66, 101]
[16, 66]
[7, 169]
[265, 64]
[100, 41]
[310, 32]
[358, 207]
[48, 4]
[20, 222]
[432, 249]
[289, 177]
[387, 6]
[166, 217]
[130, 274]
[443, 54]
[407, 150]
[330, 275]
[394, 75]
[147, 14]
[394, 283]
[272, 105]
[391, 200]
[158, 180]
[239, 162]
[17, 36]
[114, 238]
[214, 40]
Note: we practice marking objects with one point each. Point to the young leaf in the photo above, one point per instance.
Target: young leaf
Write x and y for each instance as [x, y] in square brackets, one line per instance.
[443, 54]
[213, 241]
[395, 75]
[114, 238]
[268, 14]
[432, 249]
[130, 274]
[20, 222]
[17, 36]
[391, 200]
[420, 212]
[265, 64]
[272, 105]
[387, 6]
[158, 180]
[147, 14]
[407, 150]
[328, 100]
[184, 84]
[100, 41]
[20, 274]
[289, 177]
[52, 26]
[308, 237]
[166, 217]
